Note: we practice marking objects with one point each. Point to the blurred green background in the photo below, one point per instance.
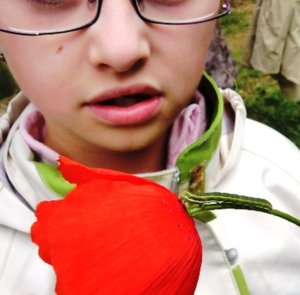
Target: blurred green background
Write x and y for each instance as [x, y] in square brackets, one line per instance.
[261, 93]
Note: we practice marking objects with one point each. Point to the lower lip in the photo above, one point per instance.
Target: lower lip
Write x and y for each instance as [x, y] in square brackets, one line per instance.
[121, 115]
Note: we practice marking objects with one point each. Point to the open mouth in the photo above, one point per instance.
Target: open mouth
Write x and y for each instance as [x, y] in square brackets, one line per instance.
[126, 106]
[126, 101]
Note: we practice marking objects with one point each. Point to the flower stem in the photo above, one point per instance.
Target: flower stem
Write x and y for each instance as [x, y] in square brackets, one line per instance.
[285, 216]
[196, 204]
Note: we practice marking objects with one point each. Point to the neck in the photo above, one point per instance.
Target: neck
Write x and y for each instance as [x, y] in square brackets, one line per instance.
[150, 159]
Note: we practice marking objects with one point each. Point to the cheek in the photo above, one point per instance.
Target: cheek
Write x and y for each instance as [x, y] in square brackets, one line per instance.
[36, 64]
[185, 49]
[191, 50]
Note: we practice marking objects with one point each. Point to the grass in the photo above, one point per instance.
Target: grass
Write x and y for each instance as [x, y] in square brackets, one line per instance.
[237, 21]
[261, 93]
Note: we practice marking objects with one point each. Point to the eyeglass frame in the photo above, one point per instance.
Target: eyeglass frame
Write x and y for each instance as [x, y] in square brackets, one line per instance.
[226, 11]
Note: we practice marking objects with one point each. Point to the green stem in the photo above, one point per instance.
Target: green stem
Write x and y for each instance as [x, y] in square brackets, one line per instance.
[285, 216]
[196, 204]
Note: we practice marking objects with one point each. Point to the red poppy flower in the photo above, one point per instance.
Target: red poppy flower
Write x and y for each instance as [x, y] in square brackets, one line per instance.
[117, 234]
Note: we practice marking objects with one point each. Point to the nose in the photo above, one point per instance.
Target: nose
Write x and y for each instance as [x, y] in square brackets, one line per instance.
[119, 38]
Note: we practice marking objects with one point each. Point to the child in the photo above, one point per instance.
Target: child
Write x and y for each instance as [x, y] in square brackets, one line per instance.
[124, 89]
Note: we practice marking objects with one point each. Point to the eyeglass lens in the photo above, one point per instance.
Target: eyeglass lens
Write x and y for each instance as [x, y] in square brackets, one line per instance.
[61, 15]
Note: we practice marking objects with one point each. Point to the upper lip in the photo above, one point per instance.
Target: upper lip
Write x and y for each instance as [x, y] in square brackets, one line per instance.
[119, 92]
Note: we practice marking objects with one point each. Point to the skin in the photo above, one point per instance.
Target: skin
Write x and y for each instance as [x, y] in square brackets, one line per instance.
[60, 73]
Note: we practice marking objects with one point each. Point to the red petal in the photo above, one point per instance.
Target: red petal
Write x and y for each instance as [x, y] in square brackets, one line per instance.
[38, 229]
[77, 173]
[120, 236]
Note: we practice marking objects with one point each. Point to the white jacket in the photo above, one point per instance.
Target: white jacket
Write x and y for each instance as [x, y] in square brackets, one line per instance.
[252, 159]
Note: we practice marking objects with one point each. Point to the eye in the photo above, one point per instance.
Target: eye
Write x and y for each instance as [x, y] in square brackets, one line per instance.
[47, 2]
[162, 2]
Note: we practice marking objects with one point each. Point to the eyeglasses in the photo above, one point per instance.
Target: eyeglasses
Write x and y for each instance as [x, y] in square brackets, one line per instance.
[45, 17]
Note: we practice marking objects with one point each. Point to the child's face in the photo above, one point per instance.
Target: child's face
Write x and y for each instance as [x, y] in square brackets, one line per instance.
[69, 76]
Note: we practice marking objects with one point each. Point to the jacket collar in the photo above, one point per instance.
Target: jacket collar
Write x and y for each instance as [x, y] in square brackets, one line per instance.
[195, 160]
